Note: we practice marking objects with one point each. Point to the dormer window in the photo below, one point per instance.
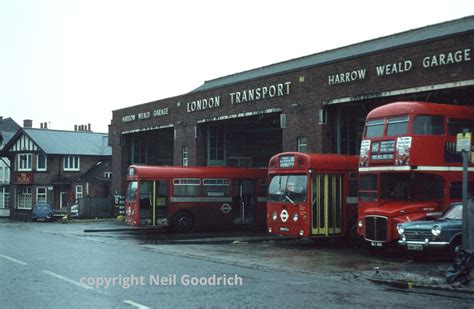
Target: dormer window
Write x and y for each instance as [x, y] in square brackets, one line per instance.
[71, 163]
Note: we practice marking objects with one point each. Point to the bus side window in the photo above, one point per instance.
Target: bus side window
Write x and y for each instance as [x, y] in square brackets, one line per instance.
[428, 125]
[186, 187]
[455, 190]
[161, 192]
[216, 187]
[353, 184]
[145, 194]
[456, 126]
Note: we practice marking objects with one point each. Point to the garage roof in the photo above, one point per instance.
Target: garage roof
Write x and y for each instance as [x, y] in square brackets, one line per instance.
[404, 38]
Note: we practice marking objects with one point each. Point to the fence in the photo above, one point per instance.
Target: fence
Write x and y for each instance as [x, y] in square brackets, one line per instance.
[95, 207]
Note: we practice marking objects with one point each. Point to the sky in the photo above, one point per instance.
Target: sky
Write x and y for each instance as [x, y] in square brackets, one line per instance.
[72, 62]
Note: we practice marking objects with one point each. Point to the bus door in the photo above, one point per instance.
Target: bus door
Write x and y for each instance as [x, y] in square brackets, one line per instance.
[244, 201]
[326, 207]
[161, 202]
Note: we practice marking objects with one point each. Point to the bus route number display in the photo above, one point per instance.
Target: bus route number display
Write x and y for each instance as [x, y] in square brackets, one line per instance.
[287, 161]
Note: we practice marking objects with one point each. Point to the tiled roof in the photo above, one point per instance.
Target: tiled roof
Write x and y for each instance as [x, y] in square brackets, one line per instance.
[8, 128]
[400, 39]
[70, 142]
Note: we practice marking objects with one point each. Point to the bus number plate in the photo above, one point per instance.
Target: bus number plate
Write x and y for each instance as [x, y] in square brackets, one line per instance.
[376, 244]
[284, 229]
[415, 247]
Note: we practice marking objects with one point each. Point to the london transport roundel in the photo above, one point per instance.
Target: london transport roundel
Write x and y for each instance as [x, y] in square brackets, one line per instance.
[226, 208]
[284, 215]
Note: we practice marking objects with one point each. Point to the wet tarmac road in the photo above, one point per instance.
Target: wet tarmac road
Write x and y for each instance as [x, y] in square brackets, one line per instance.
[58, 265]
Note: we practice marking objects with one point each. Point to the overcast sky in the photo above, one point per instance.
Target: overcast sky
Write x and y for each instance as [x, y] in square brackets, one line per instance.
[70, 62]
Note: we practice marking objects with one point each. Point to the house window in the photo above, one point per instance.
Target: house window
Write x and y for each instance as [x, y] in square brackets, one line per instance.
[6, 175]
[2, 175]
[24, 162]
[302, 144]
[185, 155]
[41, 195]
[41, 162]
[5, 198]
[78, 193]
[108, 175]
[71, 163]
[24, 200]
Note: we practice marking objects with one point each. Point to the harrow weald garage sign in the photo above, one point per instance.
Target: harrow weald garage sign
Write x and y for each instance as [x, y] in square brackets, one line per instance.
[392, 68]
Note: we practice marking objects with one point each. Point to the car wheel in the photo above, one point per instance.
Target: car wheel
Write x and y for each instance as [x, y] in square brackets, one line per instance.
[183, 222]
[354, 239]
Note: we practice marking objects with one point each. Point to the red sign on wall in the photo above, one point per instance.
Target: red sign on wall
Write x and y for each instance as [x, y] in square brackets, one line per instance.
[23, 178]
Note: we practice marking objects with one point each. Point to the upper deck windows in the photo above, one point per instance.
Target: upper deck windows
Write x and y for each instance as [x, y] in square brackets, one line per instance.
[428, 125]
[456, 126]
[397, 126]
[420, 125]
[374, 128]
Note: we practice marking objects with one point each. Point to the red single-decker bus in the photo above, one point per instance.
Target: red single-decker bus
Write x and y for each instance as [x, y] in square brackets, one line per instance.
[189, 197]
[312, 195]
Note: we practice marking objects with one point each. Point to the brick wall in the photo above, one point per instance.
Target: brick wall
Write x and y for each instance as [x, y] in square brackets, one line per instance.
[310, 89]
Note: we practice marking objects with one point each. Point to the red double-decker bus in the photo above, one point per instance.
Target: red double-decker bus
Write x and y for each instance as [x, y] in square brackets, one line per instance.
[312, 195]
[189, 197]
[408, 165]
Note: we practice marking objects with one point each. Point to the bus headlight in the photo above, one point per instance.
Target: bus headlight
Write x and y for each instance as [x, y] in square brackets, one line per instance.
[400, 229]
[436, 230]
[295, 217]
[360, 223]
[274, 216]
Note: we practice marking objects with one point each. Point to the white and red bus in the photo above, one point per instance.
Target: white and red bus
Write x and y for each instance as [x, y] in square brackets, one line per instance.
[312, 195]
[189, 197]
[408, 165]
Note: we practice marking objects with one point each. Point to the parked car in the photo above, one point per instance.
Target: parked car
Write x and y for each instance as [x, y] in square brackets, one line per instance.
[75, 211]
[444, 233]
[43, 212]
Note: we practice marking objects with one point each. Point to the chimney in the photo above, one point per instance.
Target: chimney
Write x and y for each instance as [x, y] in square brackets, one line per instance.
[45, 125]
[88, 127]
[27, 123]
[75, 127]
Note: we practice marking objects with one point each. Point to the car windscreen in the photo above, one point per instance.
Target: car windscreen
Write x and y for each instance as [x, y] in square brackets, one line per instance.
[455, 212]
[42, 208]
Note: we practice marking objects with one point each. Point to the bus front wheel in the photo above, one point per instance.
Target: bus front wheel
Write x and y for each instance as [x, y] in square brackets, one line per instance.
[183, 222]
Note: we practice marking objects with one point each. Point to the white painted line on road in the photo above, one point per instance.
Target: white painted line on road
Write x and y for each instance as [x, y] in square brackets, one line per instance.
[135, 304]
[13, 260]
[82, 285]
